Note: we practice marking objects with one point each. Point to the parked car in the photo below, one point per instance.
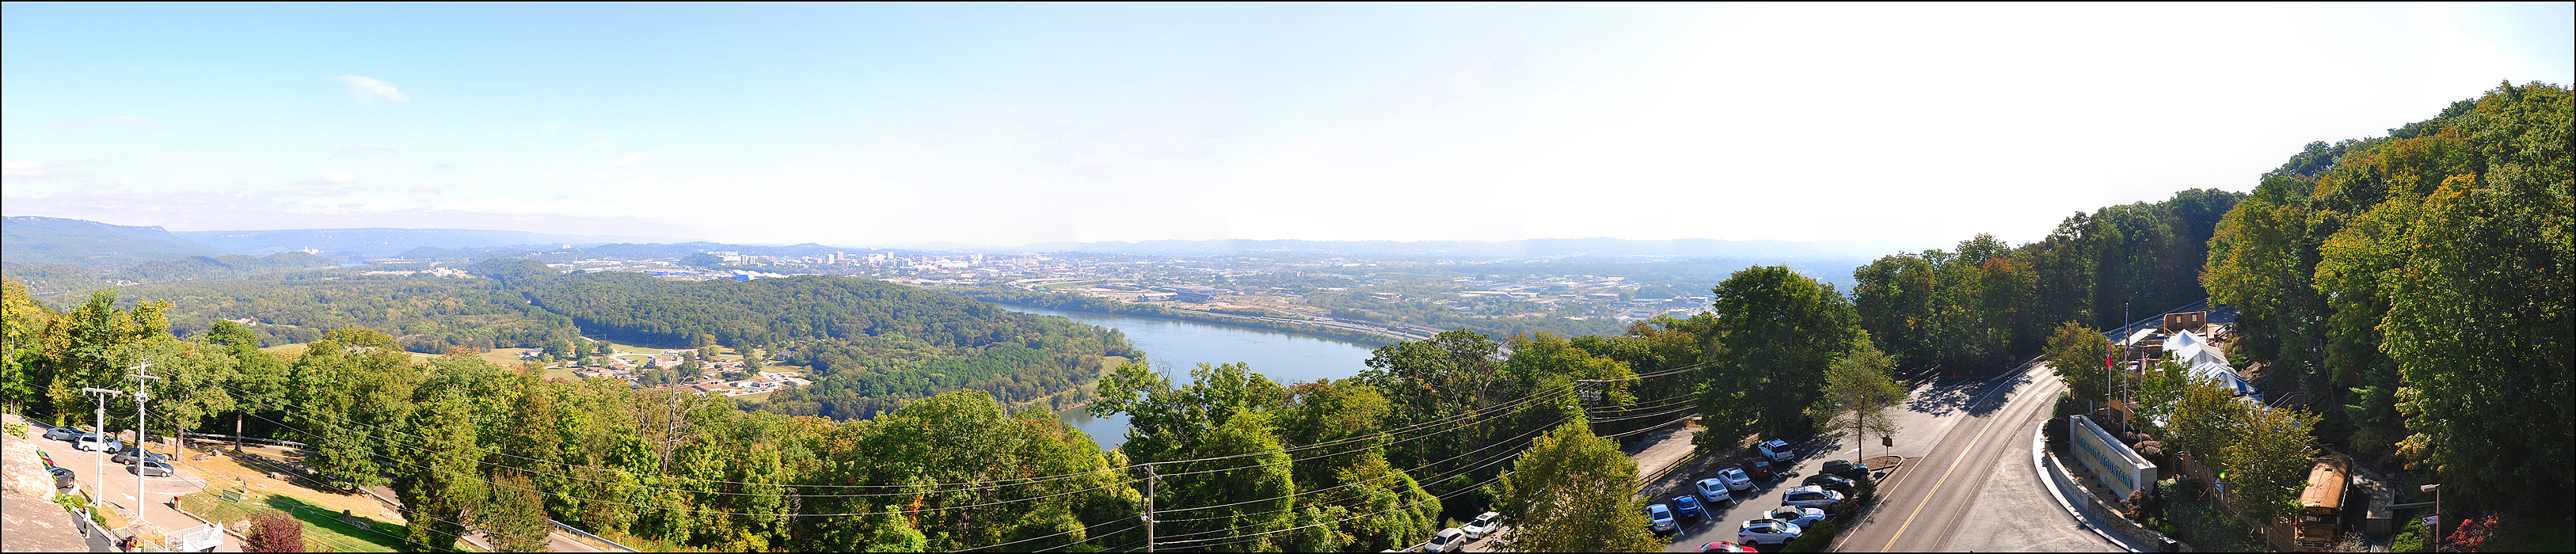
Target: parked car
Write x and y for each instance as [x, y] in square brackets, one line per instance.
[1802, 517]
[1688, 506]
[63, 433]
[1767, 531]
[1723, 546]
[1448, 539]
[1847, 469]
[65, 482]
[152, 469]
[1777, 450]
[126, 456]
[1735, 479]
[1834, 483]
[1485, 524]
[91, 442]
[1660, 518]
[1715, 490]
[1811, 496]
[1760, 468]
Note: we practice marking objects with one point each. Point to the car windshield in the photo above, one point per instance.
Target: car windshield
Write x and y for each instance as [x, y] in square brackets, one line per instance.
[1658, 510]
[1480, 522]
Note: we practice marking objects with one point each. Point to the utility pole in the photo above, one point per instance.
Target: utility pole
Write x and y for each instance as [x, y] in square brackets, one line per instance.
[100, 469]
[1149, 507]
[141, 454]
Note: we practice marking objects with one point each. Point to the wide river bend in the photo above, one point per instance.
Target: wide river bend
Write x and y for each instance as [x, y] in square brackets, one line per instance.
[1177, 346]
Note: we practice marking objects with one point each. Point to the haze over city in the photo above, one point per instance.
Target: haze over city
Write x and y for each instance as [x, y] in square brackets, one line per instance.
[1012, 124]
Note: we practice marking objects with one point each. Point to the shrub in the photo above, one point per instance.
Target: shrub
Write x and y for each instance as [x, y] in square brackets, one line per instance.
[19, 430]
[1816, 538]
[2410, 539]
[275, 532]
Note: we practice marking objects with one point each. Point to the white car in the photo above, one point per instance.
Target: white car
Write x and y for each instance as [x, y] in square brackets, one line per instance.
[1777, 450]
[1801, 517]
[1767, 531]
[1811, 496]
[1736, 479]
[1714, 490]
[91, 442]
[1448, 539]
[1660, 518]
[1485, 524]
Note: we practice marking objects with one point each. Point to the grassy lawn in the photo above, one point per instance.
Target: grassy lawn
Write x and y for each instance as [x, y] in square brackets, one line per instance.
[322, 528]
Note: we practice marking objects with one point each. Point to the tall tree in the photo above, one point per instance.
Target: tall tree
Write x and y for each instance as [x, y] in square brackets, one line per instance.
[1779, 331]
[2079, 356]
[2267, 464]
[1857, 393]
[1573, 491]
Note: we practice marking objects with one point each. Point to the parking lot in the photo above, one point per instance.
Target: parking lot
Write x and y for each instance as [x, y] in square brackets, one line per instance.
[117, 490]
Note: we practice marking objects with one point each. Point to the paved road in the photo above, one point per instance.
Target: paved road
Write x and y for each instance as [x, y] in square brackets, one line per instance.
[1975, 488]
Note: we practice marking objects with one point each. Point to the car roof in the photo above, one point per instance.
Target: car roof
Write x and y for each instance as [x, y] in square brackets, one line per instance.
[1658, 508]
[1451, 531]
[1773, 442]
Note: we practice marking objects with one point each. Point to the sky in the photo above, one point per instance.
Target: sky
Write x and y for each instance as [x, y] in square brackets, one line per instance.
[993, 124]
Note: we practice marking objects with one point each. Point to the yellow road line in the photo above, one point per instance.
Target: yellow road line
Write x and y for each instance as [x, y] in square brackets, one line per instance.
[1945, 478]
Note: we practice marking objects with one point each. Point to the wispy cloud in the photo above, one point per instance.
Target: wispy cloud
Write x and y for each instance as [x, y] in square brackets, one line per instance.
[111, 120]
[595, 145]
[368, 89]
[550, 129]
[362, 149]
[337, 176]
[627, 159]
[30, 171]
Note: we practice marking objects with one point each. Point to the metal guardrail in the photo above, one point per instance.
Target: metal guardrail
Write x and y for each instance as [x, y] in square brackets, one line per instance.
[586, 534]
[229, 438]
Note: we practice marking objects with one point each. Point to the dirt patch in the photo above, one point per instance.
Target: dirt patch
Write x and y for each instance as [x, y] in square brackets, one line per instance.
[258, 472]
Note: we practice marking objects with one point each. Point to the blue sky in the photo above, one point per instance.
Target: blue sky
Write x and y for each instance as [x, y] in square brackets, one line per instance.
[1008, 124]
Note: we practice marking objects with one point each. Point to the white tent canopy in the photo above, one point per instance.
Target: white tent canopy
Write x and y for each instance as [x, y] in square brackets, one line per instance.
[2226, 377]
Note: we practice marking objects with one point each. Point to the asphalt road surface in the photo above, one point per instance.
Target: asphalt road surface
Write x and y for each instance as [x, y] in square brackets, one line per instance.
[1975, 490]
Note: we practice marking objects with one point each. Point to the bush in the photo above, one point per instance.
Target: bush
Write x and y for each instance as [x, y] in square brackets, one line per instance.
[2410, 539]
[1816, 538]
[273, 531]
[19, 430]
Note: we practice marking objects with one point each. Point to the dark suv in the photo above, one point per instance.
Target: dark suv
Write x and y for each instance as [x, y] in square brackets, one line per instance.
[1836, 483]
[1847, 469]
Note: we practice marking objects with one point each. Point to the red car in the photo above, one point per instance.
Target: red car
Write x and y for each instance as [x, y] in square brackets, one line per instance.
[1761, 469]
[1723, 546]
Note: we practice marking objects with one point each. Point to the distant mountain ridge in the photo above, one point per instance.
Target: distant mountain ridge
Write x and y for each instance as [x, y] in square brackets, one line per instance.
[387, 241]
[33, 240]
[1587, 247]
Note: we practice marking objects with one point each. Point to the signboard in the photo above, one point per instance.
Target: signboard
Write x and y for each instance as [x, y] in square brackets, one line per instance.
[2428, 520]
[1887, 441]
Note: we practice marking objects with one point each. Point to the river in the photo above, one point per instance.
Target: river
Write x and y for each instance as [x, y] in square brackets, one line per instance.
[1177, 346]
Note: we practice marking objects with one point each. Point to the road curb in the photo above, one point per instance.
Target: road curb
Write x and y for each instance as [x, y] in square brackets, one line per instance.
[2047, 474]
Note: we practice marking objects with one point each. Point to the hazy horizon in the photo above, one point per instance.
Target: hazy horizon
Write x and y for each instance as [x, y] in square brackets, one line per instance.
[1007, 125]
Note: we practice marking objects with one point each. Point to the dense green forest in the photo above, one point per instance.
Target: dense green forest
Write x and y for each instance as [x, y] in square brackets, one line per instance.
[1987, 304]
[424, 314]
[1362, 464]
[871, 345]
[2417, 284]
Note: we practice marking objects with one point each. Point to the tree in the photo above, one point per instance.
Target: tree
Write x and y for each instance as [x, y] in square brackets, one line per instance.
[440, 478]
[24, 321]
[2206, 418]
[2267, 465]
[2079, 356]
[1779, 330]
[1858, 391]
[1573, 491]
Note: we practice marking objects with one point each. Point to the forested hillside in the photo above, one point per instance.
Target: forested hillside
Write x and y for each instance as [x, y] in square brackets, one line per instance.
[422, 313]
[2420, 282]
[872, 345]
[1988, 304]
[31, 240]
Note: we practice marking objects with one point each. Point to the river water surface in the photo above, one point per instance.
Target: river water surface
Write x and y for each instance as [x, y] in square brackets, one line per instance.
[1177, 346]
